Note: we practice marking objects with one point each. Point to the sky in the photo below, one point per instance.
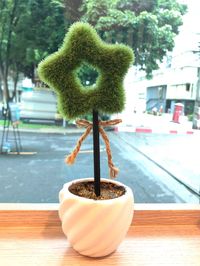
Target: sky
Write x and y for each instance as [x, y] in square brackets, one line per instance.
[191, 18]
[189, 34]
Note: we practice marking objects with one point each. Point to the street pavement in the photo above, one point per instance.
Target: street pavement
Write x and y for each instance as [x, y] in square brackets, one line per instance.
[39, 176]
[177, 154]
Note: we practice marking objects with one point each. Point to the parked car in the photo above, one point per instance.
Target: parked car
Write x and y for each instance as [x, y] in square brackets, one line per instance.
[39, 106]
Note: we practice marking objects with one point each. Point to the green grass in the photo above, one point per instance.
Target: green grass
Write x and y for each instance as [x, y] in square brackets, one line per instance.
[34, 126]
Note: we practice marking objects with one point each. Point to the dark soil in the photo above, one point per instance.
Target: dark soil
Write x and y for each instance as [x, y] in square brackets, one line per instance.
[86, 190]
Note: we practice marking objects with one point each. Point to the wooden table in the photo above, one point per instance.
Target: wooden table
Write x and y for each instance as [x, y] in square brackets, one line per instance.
[30, 234]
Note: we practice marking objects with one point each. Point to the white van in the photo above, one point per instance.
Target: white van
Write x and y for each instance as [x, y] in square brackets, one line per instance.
[39, 105]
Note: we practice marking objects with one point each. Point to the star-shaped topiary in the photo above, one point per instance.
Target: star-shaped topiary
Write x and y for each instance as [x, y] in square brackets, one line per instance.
[59, 71]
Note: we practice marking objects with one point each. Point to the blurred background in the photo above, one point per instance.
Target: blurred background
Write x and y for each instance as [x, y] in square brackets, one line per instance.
[162, 98]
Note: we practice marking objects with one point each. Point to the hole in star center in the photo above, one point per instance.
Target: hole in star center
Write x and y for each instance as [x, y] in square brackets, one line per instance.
[87, 75]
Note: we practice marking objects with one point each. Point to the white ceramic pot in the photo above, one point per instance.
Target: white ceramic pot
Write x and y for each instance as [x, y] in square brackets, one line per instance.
[95, 228]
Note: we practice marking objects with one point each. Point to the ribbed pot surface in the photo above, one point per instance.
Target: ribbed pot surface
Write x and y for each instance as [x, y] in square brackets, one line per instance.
[95, 228]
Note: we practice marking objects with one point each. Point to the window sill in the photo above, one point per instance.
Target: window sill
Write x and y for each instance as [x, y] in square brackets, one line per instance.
[161, 234]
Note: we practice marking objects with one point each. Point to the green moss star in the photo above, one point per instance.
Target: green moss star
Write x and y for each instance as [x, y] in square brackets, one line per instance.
[82, 44]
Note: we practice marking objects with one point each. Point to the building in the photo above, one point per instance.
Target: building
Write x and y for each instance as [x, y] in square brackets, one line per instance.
[176, 80]
[171, 86]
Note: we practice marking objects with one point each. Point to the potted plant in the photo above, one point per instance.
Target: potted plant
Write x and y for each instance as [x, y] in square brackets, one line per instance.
[95, 213]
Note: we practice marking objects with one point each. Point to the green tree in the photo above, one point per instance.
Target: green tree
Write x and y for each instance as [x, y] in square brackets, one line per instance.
[72, 10]
[29, 31]
[11, 12]
[149, 27]
[44, 31]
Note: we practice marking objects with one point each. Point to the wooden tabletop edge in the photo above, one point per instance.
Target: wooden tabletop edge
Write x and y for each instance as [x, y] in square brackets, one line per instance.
[137, 207]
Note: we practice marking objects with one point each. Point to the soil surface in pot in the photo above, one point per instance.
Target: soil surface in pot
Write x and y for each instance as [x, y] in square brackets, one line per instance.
[86, 190]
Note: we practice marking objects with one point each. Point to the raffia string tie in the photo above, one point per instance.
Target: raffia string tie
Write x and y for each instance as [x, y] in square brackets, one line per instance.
[88, 125]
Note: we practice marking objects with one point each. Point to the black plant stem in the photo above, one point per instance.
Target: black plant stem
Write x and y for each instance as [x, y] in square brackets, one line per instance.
[96, 152]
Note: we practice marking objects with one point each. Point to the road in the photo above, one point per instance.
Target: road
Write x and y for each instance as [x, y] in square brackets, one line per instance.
[39, 177]
[178, 155]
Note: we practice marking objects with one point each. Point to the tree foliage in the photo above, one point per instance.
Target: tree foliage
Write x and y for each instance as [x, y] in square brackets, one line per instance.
[46, 29]
[11, 12]
[29, 30]
[149, 27]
